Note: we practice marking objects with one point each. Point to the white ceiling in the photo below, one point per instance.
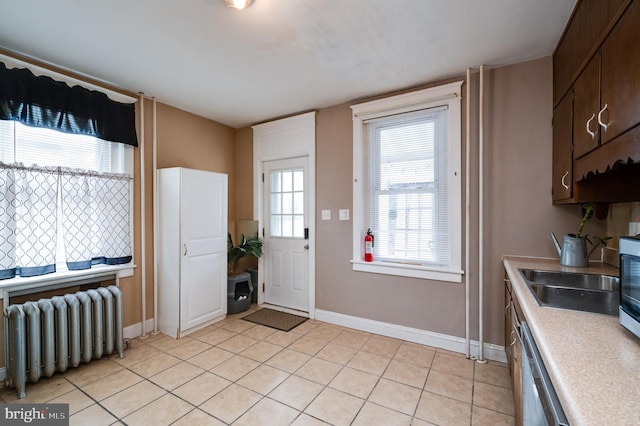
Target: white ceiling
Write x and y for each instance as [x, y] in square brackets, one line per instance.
[278, 57]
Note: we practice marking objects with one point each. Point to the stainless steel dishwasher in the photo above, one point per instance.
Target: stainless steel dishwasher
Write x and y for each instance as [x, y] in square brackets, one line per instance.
[540, 404]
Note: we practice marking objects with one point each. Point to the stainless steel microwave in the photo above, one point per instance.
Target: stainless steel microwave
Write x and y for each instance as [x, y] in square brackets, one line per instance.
[630, 284]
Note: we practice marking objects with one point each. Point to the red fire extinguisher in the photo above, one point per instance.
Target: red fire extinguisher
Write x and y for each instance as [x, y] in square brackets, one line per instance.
[368, 246]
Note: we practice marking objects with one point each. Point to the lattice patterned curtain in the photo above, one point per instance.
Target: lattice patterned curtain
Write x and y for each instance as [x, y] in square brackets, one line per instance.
[95, 219]
[28, 218]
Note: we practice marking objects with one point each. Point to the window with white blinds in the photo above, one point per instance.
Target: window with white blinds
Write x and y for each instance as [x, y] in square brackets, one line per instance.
[407, 187]
[405, 163]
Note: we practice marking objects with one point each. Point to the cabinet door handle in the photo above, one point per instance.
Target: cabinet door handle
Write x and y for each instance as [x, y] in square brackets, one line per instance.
[185, 249]
[564, 185]
[593, 134]
[604, 126]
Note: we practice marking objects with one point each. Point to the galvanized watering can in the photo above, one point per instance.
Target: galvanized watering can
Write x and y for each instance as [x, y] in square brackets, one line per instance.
[574, 250]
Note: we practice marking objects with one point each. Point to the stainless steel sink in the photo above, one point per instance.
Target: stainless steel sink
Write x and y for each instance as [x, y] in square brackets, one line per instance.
[576, 291]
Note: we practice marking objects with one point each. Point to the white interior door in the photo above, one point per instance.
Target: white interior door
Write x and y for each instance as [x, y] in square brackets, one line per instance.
[204, 247]
[286, 233]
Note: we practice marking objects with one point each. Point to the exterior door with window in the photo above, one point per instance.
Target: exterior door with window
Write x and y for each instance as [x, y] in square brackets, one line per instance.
[286, 253]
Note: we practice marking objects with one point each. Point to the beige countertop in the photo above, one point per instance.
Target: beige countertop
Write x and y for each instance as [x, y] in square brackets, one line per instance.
[593, 362]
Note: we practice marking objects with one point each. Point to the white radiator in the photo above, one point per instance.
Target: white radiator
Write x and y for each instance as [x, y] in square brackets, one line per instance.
[54, 334]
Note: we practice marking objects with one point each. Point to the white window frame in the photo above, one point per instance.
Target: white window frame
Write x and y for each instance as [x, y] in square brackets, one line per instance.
[445, 95]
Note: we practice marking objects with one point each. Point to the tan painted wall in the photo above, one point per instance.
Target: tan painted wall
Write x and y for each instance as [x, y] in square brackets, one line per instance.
[518, 211]
[183, 140]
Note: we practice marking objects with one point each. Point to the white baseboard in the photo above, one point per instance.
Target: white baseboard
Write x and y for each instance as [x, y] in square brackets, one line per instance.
[430, 338]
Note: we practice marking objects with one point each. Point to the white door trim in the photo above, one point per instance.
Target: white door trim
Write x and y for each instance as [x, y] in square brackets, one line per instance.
[278, 140]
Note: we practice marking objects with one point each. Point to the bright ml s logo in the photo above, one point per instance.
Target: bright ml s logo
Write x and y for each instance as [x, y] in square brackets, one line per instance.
[35, 414]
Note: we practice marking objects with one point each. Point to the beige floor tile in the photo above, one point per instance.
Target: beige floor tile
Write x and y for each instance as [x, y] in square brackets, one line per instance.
[263, 379]
[162, 411]
[201, 388]
[155, 365]
[165, 343]
[493, 397]
[210, 358]
[44, 390]
[483, 417]
[306, 420]
[354, 382]
[93, 415]
[453, 365]
[261, 351]
[353, 339]
[259, 332]
[441, 410]
[136, 354]
[382, 345]
[419, 422]
[288, 360]
[396, 396]
[372, 414]
[203, 331]
[335, 407]
[236, 325]
[414, 353]
[282, 338]
[76, 399]
[216, 336]
[409, 374]
[450, 353]
[188, 350]
[108, 386]
[493, 374]
[318, 370]
[308, 345]
[305, 327]
[177, 375]
[369, 362]
[231, 403]
[267, 412]
[235, 367]
[131, 399]
[296, 392]
[445, 384]
[91, 372]
[237, 343]
[337, 353]
[324, 332]
[197, 417]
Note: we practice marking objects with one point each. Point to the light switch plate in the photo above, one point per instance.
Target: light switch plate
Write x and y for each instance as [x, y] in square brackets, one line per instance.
[344, 214]
[326, 214]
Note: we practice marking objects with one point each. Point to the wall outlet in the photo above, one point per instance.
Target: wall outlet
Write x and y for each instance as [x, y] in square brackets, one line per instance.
[326, 214]
[344, 214]
[634, 228]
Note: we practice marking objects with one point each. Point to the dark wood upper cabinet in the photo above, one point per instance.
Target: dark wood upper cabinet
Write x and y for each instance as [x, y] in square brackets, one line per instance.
[590, 22]
[620, 86]
[562, 171]
[597, 66]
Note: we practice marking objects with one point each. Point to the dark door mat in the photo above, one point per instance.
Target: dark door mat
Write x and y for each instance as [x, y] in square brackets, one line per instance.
[275, 319]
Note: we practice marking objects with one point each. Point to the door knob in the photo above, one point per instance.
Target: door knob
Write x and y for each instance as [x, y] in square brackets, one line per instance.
[306, 246]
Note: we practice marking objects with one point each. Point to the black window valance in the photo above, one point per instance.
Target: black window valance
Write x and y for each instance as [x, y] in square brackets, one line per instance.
[40, 101]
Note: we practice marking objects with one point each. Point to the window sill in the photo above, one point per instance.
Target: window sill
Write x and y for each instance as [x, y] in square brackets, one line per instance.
[407, 270]
[57, 279]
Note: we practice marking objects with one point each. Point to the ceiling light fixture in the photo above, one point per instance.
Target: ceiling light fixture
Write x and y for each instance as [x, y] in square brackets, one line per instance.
[237, 4]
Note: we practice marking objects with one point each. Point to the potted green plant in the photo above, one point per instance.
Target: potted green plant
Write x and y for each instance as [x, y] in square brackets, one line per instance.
[248, 247]
[574, 250]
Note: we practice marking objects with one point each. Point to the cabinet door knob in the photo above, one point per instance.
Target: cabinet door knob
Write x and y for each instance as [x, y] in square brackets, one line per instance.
[564, 185]
[185, 249]
[593, 134]
[604, 126]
